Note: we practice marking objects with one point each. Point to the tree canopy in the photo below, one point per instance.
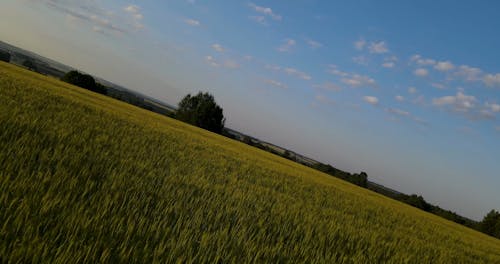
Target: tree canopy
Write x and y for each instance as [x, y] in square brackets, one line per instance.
[201, 110]
[83, 80]
[4, 56]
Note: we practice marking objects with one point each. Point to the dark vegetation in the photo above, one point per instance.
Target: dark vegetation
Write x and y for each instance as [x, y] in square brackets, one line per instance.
[4, 56]
[201, 110]
[84, 81]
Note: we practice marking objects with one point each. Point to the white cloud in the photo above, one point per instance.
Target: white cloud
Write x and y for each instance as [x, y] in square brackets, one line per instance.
[493, 107]
[135, 12]
[419, 60]
[388, 64]
[287, 46]
[444, 66]
[192, 22]
[230, 64]
[329, 86]
[217, 47]
[211, 61]
[497, 128]
[259, 19]
[492, 80]
[361, 60]
[297, 73]
[333, 69]
[273, 67]
[378, 47]
[276, 84]
[412, 90]
[356, 80]
[421, 72]
[371, 100]
[438, 86]
[314, 44]
[399, 98]
[459, 103]
[267, 11]
[352, 79]
[360, 44]
[468, 73]
[398, 112]
[324, 100]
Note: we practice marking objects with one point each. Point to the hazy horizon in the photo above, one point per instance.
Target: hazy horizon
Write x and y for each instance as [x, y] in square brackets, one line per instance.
[408, 92]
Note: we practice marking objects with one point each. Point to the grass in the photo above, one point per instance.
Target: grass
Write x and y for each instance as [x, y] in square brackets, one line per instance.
[85, 178]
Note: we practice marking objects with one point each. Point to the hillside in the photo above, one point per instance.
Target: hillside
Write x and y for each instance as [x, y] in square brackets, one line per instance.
[85, 178]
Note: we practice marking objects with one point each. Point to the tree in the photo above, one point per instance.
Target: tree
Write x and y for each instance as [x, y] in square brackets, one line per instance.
[4, 56]
[491, 224]
[201, 110]
[29, 64]
[84, 81]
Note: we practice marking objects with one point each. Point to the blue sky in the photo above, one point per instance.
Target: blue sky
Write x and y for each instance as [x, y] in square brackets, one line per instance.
[407, 91]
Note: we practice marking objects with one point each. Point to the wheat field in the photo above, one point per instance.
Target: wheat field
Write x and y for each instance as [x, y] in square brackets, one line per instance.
[88, 179]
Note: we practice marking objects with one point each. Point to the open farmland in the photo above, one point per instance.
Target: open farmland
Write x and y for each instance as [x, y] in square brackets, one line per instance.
[85, 178]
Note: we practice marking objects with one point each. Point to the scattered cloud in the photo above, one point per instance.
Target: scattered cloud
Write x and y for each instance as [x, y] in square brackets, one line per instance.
[333, 69]
[135, 12]
[444, 66]
[329, 86]
[276, 84]
[493, 107]
[361, 60]
[357, 80]
[273, 67]
[421, 72]
[388, 64]
[468, 73]
[227, 64]
[211, 61]
[192, 22]
[398, 112]
[217, 47]
[360, 44]
[378, 47]
[265, 12]
[287, 46]
[438, 86]
[412, 90]
[420, 61]
[371, 100]
[352, 79]
[492, 80]
[231, 64]
[314, 44]
[460, 102]
[324, 100]
[297, 73]
[399, 98]
[259, 19]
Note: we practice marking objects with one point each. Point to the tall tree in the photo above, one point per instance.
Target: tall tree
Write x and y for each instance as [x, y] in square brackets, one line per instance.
[201, 110]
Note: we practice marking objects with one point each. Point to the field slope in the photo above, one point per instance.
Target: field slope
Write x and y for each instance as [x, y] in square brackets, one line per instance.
[84, 178]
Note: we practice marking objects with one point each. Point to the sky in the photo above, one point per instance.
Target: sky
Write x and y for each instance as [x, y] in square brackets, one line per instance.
[407, 91]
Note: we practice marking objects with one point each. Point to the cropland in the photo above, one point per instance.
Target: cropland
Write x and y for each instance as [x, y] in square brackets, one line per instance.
[88, 179]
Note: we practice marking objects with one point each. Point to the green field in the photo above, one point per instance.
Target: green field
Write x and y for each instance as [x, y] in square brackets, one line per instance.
[85, 178]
